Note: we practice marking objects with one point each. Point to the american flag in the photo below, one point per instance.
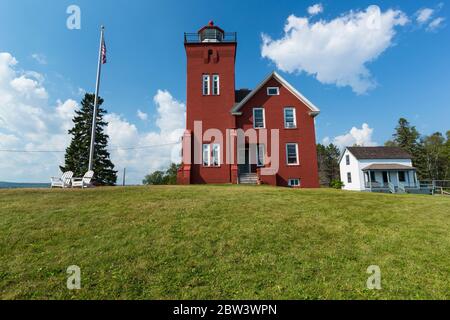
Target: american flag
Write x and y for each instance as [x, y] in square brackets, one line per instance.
[103, 52]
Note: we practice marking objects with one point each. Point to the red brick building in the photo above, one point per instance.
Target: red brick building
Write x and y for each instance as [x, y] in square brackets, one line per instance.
[265, 135]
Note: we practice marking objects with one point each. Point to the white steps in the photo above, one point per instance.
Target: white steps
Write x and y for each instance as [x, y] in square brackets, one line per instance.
[248, 178]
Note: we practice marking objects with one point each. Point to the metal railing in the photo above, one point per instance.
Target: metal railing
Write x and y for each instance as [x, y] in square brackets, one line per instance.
[227, 37]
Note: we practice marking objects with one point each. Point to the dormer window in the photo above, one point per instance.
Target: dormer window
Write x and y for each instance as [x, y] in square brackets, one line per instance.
[206, 85]
[273, 91]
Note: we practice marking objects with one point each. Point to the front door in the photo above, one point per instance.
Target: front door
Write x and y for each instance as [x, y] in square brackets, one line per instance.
[385, 177]
[244, 160]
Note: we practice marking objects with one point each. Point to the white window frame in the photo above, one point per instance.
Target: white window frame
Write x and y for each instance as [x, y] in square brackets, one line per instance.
[347, 160]
[261, 150]
[287, 154]
[271, 88]
[294, 116]
[293, 185]
[206, 78]
[209, 151]
[254, 118]
[213, 155]
[216, 78]
[349, 177]
[208, 155]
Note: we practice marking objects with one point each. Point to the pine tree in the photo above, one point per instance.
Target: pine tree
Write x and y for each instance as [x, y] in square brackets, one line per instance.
[77, 154]
[407, 137]
[328, 160]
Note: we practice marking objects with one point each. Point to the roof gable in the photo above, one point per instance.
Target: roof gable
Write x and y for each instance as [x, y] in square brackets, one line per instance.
[367, 153]
[314, 110]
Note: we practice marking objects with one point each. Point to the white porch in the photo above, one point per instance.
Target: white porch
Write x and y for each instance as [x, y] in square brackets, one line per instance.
[393, 178]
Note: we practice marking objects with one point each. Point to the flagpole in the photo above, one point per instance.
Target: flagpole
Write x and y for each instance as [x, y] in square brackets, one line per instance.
[94, 114]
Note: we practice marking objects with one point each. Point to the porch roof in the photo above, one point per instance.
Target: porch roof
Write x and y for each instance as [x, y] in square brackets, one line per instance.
[388, 166]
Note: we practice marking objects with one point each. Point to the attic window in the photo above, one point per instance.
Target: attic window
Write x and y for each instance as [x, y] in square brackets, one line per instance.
[273, 91]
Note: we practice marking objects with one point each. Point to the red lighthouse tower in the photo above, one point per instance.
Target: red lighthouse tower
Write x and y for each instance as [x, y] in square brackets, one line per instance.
[211, 56]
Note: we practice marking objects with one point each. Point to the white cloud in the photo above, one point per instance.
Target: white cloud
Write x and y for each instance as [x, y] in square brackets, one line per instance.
[27, 122]
[423, 15]
[336, 51]
[436, 23]
[165, 141]
[40, 58]
[315, 9]
[142, 115]
[360, 137]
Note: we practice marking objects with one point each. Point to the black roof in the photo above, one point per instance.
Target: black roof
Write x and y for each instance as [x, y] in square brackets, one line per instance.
[379, 153]
[241, 94]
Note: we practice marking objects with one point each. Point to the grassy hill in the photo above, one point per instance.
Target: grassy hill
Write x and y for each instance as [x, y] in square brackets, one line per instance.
[222, 242]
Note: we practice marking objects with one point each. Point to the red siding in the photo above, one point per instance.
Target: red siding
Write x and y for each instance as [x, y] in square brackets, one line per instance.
[304, 135]
[213, 111]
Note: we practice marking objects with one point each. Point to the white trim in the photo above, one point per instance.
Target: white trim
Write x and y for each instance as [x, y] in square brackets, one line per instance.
[206, 77]
[314, 110]
[294, 115]
[287, 154]
[264, 118]
[271, 88]
[214, 77]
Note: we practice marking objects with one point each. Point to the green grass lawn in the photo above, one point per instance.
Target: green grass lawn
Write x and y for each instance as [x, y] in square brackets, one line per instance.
[222, 242]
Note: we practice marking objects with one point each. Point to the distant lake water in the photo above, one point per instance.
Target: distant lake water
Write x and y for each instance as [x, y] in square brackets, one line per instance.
[12, 185]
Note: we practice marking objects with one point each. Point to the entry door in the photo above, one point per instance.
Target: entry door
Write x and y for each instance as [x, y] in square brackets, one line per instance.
[244, 160]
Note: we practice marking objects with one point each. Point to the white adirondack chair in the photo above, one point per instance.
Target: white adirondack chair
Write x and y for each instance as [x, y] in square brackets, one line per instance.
[62, 182]
[84, 182]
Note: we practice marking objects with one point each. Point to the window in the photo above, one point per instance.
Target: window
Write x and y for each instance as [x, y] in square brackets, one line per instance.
[292, 154]
[206, 85]
[211, 155]
[261, 155]
[206, 155]
[294, 183]
[216, 85]
[215, 159]
[401, 176]
[273, 91]
[289, 118]
[258, 118]
[349, 177]
[347, 159]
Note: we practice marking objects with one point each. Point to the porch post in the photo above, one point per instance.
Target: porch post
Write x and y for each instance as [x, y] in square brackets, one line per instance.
[370, 181]
[417, 180]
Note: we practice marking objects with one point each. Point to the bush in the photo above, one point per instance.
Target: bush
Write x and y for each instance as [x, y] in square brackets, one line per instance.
[163, 177]
[337, 184]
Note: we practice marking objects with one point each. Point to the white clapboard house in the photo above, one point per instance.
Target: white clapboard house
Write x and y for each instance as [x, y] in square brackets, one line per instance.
[378, 169]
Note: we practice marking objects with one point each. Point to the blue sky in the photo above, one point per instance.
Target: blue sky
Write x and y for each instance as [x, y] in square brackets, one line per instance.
[146, 54]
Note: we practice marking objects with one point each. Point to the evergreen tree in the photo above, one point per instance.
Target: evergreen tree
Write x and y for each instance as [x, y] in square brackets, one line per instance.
[77, 154]
[328, 160]
[408, 138]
